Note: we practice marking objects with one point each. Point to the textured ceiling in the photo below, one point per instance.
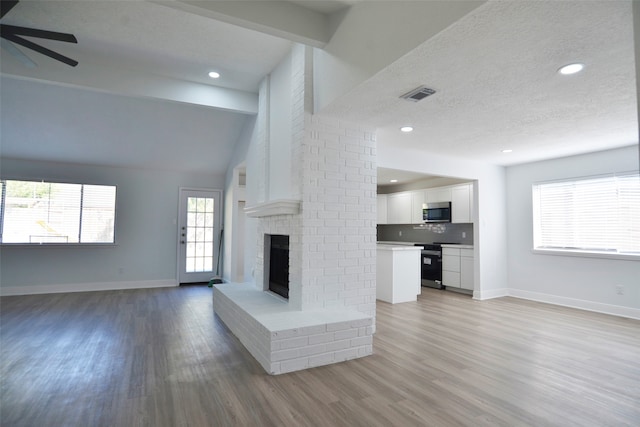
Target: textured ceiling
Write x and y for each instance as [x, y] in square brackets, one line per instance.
[494, 70]
[497, 86]
[153, 38]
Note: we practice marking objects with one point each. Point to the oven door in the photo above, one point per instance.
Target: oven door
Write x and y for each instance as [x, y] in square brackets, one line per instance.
[431, 268]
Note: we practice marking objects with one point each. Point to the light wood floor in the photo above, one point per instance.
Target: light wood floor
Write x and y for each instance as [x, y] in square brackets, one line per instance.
[160, 357]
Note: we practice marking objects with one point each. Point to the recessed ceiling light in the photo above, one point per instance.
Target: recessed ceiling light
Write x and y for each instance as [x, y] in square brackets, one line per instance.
[393, 180]
[214, 75]
[571, 69]
[507, 151]
[406, 129]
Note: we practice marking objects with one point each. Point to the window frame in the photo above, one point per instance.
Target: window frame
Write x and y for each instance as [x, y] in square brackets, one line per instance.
[56, 244]
[574, 252]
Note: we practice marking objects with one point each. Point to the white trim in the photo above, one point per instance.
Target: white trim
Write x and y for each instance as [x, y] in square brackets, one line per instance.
[84, 287]
[490, 294]
[200, 189]
[57, 245]
[181, 275]
[616, 310]
[586, 254]
[274, 207]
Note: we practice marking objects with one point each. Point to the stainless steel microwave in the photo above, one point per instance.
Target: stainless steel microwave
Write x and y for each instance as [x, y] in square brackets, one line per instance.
[437, 212]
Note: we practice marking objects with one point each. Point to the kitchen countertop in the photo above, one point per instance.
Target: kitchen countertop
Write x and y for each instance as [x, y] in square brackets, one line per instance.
[444, 245]
[390, 242]
[453, 245]
[389, 246]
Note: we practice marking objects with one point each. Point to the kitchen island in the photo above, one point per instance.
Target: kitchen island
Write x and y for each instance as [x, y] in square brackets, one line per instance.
[398, 273]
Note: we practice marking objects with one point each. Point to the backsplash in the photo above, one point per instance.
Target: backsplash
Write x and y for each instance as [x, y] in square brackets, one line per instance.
[429, 233]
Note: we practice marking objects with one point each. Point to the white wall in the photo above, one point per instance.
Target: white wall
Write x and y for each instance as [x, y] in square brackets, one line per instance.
[636, 38]
[490, 231]
[231, 215]
[146, 231]
[151, 148]
[42, 121]
[588, 283]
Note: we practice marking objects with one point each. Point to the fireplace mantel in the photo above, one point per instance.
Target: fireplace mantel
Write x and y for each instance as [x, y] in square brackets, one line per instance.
[273, 207]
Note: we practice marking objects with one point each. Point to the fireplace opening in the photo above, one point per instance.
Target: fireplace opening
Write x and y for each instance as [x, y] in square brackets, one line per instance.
[279, 265]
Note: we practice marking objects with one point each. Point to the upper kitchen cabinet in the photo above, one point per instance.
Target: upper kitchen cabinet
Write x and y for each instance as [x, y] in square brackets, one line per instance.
[406, 207]
[382, 209]
[418, 199]
[439, 194]
[462, 203]
[399, 208]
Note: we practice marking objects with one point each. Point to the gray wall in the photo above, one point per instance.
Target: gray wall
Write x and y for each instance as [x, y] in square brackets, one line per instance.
[449, 233]
[146, 230]
[571, 280]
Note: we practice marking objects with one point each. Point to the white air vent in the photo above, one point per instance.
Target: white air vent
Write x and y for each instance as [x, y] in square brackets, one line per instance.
[418, 94]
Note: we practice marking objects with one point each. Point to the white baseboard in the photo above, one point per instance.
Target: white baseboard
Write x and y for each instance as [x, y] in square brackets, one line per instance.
[489, 294]
[598, 307]
[85, 287]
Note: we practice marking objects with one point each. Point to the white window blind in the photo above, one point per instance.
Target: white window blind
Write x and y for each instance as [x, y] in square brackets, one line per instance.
[595, 214]
[49, 212]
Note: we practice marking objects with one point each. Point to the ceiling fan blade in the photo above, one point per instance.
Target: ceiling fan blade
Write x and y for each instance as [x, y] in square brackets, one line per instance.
[43, 50]
[6, 6]
[17, 53]
[41, 34]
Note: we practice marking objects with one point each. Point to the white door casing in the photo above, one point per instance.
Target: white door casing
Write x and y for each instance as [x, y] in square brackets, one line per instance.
[199, 225]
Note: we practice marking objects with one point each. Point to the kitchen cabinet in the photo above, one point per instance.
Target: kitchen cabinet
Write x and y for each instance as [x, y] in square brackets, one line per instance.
[382, 209]
[438, 194]
[417, 201]
[406, 207]
[466, 269]
[399, 208]
[457, 266]
[451, 267]
[462, 203]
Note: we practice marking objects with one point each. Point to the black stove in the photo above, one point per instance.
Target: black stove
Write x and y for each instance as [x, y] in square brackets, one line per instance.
[431, 264]
[430, 248]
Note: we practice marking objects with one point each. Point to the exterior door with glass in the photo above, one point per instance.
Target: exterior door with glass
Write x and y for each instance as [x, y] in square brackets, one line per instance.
[198, 235]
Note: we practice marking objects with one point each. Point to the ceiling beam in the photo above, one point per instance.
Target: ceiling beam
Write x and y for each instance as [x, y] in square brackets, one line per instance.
[118, 80]
[278, 18]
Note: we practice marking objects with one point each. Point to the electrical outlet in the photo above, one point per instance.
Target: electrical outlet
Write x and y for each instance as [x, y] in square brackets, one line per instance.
[464, 234]
[400, 233]
[620, 289]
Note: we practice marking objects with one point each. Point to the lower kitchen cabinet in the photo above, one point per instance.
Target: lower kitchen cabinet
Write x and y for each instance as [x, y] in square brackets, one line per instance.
[451, 267]
[457, 267]
[466, 269]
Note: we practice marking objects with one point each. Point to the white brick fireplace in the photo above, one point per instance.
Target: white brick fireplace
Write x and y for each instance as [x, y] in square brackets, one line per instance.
[329, 216]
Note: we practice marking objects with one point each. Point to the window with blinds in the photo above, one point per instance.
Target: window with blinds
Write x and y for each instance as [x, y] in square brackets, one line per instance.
[596, 214]
[50, 212]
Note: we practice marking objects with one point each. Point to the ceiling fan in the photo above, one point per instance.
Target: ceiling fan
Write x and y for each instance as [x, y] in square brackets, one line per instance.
[12, 34]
